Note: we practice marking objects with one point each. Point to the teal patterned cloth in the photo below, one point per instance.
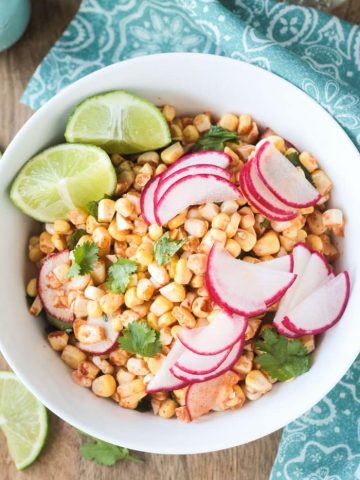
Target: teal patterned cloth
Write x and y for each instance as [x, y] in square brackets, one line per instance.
[318, 53]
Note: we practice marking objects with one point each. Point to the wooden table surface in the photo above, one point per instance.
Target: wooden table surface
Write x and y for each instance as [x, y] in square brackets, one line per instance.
[60, 459]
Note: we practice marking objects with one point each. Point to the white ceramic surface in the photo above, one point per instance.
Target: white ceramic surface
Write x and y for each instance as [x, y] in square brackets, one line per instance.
[192, 82]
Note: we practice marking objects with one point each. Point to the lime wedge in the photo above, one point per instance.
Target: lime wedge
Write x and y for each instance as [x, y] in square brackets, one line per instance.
[62, 178]
[119, 122]
[23, 419]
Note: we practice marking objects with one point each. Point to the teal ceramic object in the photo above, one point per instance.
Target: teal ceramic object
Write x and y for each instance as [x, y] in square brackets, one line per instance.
[14, 18]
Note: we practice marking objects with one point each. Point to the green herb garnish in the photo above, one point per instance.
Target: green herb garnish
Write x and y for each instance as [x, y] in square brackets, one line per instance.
[119, 275]
[164, 248]
[140, 339]
[265, 223]
[104, 453]
[85, 257]
[75, 237]
[294, 157]
[215, 139]
[93, 206]
[281, 357]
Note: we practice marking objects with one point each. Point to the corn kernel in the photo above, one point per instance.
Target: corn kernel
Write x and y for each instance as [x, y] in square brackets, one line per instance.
[72, 356]
[169, 112]
[174, 292]
[35, 254]
[167, 409]
[152, 320]
[106, 210]
[77, 216]
[233, 247]
[233, 225]
[315, 222]
[144, 254]
[137, 366]
[308, 161]
[212, 236]
[151, 158]
[333, 218]
[322, 182]
[177, 221]
[131, 299]
[111, 302]
[196, 227]
[145, 289]
[257, 382]
[155, 231]
[229, 121]
[59, 242]
[58, 340]
[190, 134]
[166, 320]
[184, 317]
[209, 211]
[94, 309]
[117, 323]
[98, 273]
[268, 244]
[31, 288]
[158, 273]
[61, 226]
[172, 153]
[104, 386]
[315, 242]
[182, 273]
[201, 307]
[202, 122]
[45, 243]
[161, 305]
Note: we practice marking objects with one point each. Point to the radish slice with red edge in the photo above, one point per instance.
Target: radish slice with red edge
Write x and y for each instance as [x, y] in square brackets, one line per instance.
[268, 213]
[242, 287]
[283, 179]
[220, 335]
[104, 346]
[230, 361]
[202, 397]
[147, 200]
[284, 263]
[48, 295]
[164, 380]
[262, 194]
[209, 157]
[193, 190]
[165, 183]
[322, 309]
[269, 132]
[191, 362]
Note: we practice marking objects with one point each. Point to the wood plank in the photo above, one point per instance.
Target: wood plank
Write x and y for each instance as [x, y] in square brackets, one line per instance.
[61, 459]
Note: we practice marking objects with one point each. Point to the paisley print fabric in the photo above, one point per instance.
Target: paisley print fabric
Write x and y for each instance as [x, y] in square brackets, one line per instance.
[318, 53]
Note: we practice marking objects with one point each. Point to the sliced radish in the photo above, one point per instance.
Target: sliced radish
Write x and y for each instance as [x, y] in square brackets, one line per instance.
[49, 295]
[165, 183]
[231, 359]
[193, 190]
[283, 179]
[147, 200]
[210, 157]
[269, 132]
[164, 380]
[322, 309]
[203, 397]
[220, 335]
[104, 346]
[262, 194]
[301, 257]
[243, 287]
[191, 362]
[284, 263]
[261, 208]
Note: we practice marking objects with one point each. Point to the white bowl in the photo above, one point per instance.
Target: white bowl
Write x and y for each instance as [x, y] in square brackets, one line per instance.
[193, 83]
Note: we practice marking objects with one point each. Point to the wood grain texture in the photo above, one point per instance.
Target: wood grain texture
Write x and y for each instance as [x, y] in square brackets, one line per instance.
[60, 459]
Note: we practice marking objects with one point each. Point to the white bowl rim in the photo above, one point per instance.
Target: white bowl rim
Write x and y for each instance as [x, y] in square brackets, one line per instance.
[186, 448]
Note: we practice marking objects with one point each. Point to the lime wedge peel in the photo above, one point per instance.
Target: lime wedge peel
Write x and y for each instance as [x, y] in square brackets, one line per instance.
[23, 419]
[119, 122]
[62, 178]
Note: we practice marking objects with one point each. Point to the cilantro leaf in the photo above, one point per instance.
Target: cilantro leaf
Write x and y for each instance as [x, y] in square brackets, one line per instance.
[104, 453]
[164, 248]
[75, 237]
[281, 357]
[265, 223]
[140, 339]
[215, 139]
[293, 157]
[85, 257]
[119, 275]
[92, 208]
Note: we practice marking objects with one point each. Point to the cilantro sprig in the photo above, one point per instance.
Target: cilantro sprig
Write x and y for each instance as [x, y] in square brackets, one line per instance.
[215, 139]
[75, 237]
[85, 257]
[140, 339]
[164, 248]
[265, 223]
[281, 357]
[119, 275]
[104, 453]
[93, 206]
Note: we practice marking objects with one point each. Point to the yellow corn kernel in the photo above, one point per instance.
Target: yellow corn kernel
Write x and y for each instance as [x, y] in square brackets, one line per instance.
[245, 124]
[220, 221]
[290, 232]
[131, 299]
[190, 134]
[45, 243]
[58, 340]
[152, 320]
[72, 356]
[197, 281]
[172, 153]
[31, 288]
[98, 273]
[154, 364]
[141, 179]
[103, 364]
[161, 305]
[137, 366]
[287, 243]
[117, 323]
[111, 302]
[333, 218]
[88, 334]
[93, 293]
[184, 317]
[196, 262]
[247, 221]
[106, 210]
[88, 370]
[268, 244]
[116, 234]
[123, 224]
[315, 222]
[301, 236]
[229, 207]
[233, 247]
[202, 122]
[257, 382]
[201, 307]
[134, 387]
[209, 211]
[155, 231]
[174, 292]
[83, 239]
[212, 236]
[252, 136]
[145, 254]
[229, 121]
[94, 309]
[77, 216]
[182, 273]
[167, 408]
[165, 336]
[233, 225]
[158, 273]
[315, 242]
[252, 328]
[91, 224]
[177, 221]
[102, 238]
[147, 169]
[150, 158]
[166, 320]
[308, 161]
[62, 226]
[59, 242]
[176, 132]
[104, 386]
[35, 254]
[124, 207]
[169, 112]
[196, 227]
[145, 289]
[322, 182]
[143, 309]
